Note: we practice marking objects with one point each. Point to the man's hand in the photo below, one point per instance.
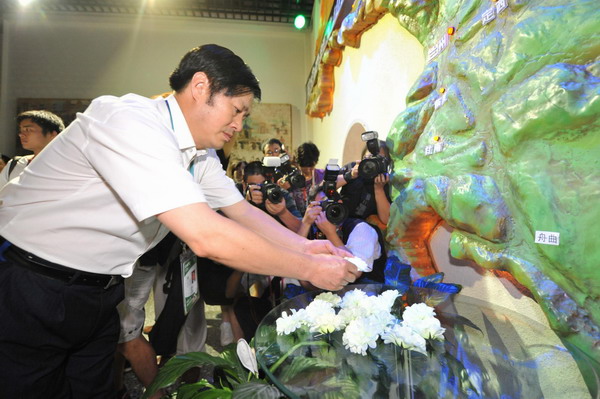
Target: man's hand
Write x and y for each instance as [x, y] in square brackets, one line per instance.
[284, 183]
[354, 171]
[312, 211]
[328, 228]
[381, 180]
[324, 247]
[275, 209]
[333, 273]
[254, 194]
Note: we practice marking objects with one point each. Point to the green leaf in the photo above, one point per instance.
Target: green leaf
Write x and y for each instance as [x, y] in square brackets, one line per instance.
[237, 372]
[193, 391]
[256, 390]
[177, 365]
[215, 394]
[304, 366]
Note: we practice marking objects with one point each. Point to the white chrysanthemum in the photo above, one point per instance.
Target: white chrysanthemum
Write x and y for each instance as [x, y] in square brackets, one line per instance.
[428, 328]
[417, 312]
[353, 299]
[382, 320]
[404, 337]
[287, 324]
[360, 335]
[330, 297]
[320, 316]
[318, 306]
[386, 299]
[326, 322]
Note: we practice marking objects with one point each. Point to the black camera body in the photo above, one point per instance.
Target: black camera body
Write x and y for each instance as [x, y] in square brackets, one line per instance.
[289, 173]
[270, 191]
[375, 165]
[335, 211]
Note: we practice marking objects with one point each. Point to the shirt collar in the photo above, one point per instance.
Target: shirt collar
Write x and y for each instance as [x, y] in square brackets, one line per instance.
[180, 128]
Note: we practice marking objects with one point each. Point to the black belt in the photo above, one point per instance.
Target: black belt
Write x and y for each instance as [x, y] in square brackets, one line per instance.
[41, 266]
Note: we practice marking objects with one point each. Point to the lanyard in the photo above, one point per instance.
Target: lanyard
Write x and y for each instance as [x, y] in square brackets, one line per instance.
[191, 168]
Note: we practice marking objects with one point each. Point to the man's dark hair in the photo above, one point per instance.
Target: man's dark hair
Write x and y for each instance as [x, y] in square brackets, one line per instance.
[48, 121]
[314, 190]
[253, 168]
[307, 154]
[225, 71]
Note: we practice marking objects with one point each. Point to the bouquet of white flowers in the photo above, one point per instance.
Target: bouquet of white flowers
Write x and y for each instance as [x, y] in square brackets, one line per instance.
[365, 320]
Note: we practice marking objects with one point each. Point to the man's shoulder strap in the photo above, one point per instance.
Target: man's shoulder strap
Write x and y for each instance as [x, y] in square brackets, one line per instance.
[13, 163]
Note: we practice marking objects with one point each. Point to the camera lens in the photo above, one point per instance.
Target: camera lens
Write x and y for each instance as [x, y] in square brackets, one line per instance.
[297, 180]
[335, 212]
[368, 168]
[273, 193]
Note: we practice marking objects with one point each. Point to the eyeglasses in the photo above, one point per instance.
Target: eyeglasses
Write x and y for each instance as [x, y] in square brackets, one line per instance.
[274, 152]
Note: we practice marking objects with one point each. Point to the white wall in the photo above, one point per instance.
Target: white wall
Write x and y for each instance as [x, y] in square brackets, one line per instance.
[371, 85]
[84, 56]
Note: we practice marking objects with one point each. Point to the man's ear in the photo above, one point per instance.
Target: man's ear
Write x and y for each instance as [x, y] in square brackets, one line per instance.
[200, 85]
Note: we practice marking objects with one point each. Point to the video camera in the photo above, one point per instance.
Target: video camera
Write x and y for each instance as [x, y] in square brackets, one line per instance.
[335, 211]
[376, 164]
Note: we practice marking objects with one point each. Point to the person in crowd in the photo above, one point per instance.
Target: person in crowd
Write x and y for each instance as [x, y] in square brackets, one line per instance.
[3, 161]
[273, 148]
[355, 235]
[367, 199]
[307, 157]
[237, 171]
[36, 130]
[106, 191]
[285, 211]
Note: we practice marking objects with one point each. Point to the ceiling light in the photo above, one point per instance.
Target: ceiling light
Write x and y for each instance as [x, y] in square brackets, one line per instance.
[299, 21]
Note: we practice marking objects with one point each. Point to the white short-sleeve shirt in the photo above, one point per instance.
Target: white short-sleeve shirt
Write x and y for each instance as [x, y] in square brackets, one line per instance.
[17, 169]
[90, 198]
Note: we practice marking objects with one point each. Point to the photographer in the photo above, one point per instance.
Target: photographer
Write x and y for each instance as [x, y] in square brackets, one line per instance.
[368, 197]
[271, 198]
[355, 235]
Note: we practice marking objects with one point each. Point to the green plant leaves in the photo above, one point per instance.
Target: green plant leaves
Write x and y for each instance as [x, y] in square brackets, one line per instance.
[178, 365]
[256, 390]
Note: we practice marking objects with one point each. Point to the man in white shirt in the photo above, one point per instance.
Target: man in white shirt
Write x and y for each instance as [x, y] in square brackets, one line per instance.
[104, 192]
[36, 130]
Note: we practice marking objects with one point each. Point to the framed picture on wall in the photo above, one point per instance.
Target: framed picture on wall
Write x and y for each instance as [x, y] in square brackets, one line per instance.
[266, 121]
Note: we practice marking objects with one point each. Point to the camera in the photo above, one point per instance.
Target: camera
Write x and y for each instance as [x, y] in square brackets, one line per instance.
[376, 164]
[289, 173]
[335, 212]
[271, 192]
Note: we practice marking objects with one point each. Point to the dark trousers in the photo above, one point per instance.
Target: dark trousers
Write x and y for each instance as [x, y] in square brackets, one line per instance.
[56, 340]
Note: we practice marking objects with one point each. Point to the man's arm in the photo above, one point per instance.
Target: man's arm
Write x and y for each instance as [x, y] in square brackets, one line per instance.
[261, 223]
[290, 221]
[211, 235]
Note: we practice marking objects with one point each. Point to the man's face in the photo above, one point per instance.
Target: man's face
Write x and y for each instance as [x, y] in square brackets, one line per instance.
[255, 179]
[273, 150]
[31, 136]
[255, 194]
[214, 121]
